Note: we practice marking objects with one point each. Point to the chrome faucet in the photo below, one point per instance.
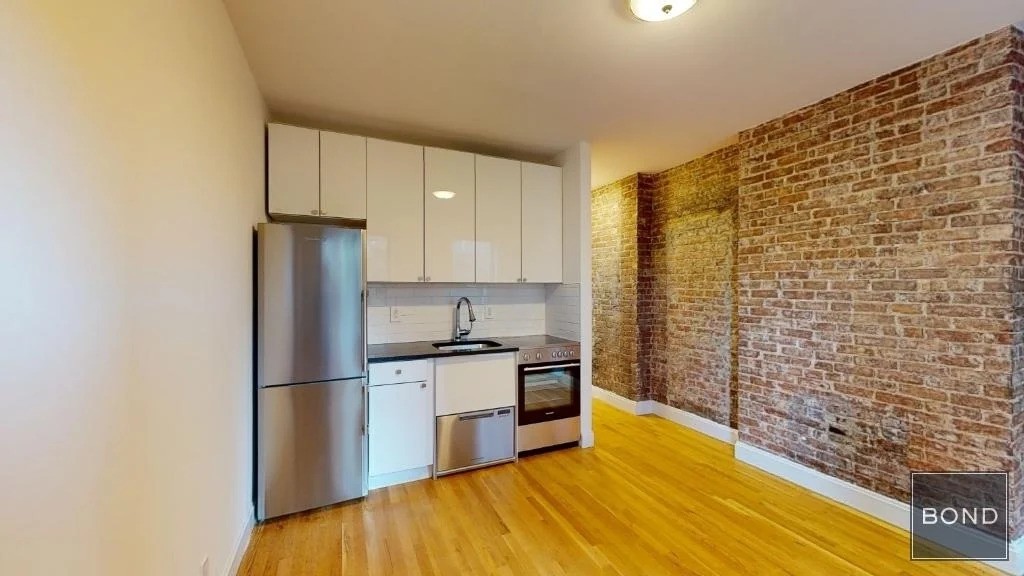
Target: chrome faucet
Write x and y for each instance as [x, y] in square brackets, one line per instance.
[459, 331]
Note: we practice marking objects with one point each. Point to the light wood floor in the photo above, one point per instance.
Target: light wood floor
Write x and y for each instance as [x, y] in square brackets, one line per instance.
[652, 498]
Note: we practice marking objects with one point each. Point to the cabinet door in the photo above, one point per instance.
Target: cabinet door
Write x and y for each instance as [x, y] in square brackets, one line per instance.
[498, 220]
[401, 433]
[477, 382]
[449, 236]
[293, 178]
[542, 223]
[394, 211]
[342, 176]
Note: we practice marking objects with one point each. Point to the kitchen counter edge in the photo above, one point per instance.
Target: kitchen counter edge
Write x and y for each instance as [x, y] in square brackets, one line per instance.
[378, 353]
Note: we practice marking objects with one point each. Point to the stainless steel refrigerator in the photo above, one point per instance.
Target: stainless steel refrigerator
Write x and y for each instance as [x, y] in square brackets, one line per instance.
[311, 367]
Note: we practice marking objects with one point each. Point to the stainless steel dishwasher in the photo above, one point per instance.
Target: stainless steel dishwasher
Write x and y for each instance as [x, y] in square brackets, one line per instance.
[474, 439]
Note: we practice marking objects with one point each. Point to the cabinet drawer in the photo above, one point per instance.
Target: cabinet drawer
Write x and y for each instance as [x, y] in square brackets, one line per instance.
[477, 382]
[402, 371]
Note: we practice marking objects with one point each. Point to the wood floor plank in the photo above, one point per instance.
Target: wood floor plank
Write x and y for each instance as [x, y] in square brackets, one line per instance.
[652, 498]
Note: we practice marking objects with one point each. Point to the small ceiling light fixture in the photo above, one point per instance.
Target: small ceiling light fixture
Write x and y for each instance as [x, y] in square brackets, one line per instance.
[444, 194]
[659, 10]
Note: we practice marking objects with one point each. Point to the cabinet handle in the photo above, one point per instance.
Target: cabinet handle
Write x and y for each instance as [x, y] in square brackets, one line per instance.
[314, 212]
[423, 385]
[419, 278]
[428, 278]
[524, 279]
[398, 372]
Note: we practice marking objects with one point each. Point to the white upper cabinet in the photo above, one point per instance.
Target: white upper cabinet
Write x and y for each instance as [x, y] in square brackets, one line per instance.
[498, 220]
[449, 254]
[342, 176]
[542, 223]
[293, 176]
[394, 211]
[432, 215]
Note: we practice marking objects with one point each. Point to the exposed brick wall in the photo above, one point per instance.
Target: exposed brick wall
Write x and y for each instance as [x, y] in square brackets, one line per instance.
[687, 306]
[876, 265]
[614, 212]
[664, 303]
[1017, 63]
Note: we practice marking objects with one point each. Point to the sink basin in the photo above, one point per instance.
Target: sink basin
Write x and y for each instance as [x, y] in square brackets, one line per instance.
[465, 345]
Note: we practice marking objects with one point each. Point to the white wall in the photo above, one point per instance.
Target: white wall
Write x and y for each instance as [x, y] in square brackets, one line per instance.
[575, 163]
[131, 169]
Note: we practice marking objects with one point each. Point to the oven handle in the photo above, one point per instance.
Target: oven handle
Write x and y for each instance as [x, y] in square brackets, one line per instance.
[538, 368]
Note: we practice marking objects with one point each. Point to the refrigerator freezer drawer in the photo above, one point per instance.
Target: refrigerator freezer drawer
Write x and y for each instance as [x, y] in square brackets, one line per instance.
[474, 439]
[312, 446]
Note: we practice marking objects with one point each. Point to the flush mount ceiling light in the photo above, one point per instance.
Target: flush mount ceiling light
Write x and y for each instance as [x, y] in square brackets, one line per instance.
[659, 10]
[444, 194]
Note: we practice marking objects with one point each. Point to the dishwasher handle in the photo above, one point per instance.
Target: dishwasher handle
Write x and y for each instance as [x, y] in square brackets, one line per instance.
[476, 415]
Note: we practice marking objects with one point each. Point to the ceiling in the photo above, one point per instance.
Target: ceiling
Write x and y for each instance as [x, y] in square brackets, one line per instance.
[526, 78]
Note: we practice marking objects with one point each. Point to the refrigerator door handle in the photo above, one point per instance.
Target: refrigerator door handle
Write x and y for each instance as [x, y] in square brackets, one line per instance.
[366, 409]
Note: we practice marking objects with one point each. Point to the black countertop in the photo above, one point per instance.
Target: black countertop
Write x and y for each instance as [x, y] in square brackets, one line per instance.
[417, 350]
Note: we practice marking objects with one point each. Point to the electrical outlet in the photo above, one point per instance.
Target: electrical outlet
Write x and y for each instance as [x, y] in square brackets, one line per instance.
[204, 568]
[396, 314]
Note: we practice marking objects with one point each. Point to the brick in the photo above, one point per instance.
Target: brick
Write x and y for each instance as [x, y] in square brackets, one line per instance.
[860, 260]
[921, 215]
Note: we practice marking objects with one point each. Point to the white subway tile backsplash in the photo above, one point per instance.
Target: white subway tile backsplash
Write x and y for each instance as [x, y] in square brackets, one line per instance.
[414, 312]
[562, 311]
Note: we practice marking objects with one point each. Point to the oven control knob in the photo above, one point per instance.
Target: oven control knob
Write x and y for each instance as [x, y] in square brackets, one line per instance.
[538, 356]
[526, 356]
[558, 354]
[561, 354]
[572, 353]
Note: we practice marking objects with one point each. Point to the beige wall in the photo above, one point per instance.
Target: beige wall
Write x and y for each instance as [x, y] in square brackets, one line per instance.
[131, 154]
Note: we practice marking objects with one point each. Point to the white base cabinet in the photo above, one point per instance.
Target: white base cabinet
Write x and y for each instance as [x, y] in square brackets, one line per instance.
[401, 423]
[475, 382]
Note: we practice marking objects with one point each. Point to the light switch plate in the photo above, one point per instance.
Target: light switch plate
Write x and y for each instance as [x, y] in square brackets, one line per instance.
[396, 314]
[488, 313]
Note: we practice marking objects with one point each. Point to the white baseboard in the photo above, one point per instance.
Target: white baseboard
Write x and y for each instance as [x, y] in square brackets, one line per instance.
[681, 417]
[698, 423]
[871, 503]
[624, 404]
[241, 544]
[1015, 565]
[882, 507]
[401, 477]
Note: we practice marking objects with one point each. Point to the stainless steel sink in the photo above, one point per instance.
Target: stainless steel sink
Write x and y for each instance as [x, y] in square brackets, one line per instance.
[465, 345]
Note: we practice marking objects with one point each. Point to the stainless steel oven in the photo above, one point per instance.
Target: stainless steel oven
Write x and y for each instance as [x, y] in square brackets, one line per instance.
[548, 397]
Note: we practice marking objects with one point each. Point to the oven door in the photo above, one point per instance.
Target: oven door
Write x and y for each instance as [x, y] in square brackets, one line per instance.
[548, 392]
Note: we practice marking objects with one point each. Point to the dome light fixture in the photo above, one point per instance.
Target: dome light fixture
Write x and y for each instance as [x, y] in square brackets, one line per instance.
[444, 194]
[659, 10]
